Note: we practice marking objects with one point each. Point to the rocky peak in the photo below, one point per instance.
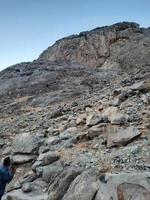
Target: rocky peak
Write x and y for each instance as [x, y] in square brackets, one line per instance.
[122, 45]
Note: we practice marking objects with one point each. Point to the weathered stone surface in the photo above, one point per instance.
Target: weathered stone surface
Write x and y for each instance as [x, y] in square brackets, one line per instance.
[51, 171]
[26, 143]
[19, 195]
[81, 119]
[119, 119]
[114, 116]
[61, 184]
[121, 136]
[52, 140]
[20, 159]
[84, 187]
[68, 133]
[45, 159]
[27, 187]
[100, 47]
[142, 86]
[2, 142]
[94, 119]
[124, 186]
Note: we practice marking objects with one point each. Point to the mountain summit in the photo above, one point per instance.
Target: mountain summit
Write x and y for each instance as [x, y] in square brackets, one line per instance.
[123, 45]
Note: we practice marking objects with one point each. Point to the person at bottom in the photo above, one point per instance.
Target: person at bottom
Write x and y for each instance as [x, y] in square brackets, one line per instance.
[6, 175]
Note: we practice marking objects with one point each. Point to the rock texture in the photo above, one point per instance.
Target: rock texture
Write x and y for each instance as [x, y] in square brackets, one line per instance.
[76, 121]
[122, 45]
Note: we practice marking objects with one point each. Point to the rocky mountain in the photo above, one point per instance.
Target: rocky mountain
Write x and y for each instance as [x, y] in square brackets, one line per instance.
[76, 121]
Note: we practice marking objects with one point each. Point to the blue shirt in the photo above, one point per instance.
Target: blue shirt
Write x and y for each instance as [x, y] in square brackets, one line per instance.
[5, 177]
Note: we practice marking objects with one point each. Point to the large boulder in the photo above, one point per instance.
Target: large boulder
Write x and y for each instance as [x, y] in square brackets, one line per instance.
[61, 183]
[124, 186]
[51, 171]
[84, 187]
[118, 136]
[25, 143]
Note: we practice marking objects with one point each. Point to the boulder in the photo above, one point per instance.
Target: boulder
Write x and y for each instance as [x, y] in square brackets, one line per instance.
[119, 119]
[118, 136]
[68, 133]
[21, 159]
[26, 187]
[19, 195]
[84, 187]
[25, 143]
[94, 118]
[45, 159]
[124, 186]
[114, 116]
[52, 140]
[141, 86]
[61, 183]
[51, 171]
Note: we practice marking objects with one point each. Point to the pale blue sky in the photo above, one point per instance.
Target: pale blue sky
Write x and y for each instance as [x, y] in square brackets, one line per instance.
[27, 27]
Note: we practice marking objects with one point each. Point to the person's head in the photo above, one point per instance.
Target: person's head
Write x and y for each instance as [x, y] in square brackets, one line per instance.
[6, 161]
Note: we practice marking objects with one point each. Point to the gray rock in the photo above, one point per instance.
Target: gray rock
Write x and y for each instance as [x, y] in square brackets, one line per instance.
[51, 171]
[121, 136]
[19, 195]
[2, 142]
[61, 183]
[68, 133]
[134, 186]
[53, 140]
[48, 158]
[142, 86]
[119, 119]
[84, 187]
[45, 159]
[20, 159]
[94, 119]
[26, 187]
[26, 143]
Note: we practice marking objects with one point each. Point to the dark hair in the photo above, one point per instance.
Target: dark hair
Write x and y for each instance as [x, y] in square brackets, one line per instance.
[6, 161]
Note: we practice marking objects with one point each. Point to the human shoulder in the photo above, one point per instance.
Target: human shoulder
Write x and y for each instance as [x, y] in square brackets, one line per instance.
[3, 169]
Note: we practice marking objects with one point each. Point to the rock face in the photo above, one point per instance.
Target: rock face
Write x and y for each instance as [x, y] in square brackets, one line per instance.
[76, 121]
[121, 45]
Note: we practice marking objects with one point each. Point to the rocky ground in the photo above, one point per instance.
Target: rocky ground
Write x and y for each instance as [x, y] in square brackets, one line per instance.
[77, 131]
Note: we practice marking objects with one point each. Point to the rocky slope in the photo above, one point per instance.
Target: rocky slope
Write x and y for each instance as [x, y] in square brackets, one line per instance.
[76, 121]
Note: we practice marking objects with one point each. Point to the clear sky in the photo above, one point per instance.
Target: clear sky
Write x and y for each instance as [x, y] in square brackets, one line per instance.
[27, 27]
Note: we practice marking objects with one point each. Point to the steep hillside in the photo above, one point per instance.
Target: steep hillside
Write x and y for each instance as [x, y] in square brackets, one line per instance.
[76, 121]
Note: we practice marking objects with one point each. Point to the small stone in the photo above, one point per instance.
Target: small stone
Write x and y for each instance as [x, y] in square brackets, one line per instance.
[27, 187]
